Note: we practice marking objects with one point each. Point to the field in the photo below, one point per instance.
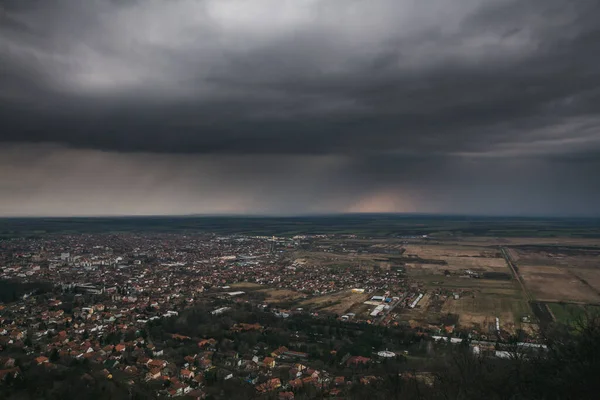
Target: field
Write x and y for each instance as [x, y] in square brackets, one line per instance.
[455, 259]
[480, 301]
[569, 313]
[481, 309]
[271, 295]
[554, 284]
[552, 270]
[336, 260]
[590, 276]
[519, 242]
[441, 270]
[337, 303]
[565, 272]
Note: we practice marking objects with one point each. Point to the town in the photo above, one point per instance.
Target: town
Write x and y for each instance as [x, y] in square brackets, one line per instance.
[183, 314]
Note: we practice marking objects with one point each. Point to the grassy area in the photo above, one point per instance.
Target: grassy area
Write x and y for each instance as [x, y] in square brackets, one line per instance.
[454, 282]
[246, 285]
[566, 312]
[339, 302]
[488, 306]
[271, 294]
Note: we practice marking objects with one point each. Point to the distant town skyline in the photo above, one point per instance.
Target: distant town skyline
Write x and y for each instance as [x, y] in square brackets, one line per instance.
[266, 107]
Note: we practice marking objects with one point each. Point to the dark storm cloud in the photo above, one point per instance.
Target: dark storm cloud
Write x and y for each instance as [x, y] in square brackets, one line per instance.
[299, 77]
[294, 106]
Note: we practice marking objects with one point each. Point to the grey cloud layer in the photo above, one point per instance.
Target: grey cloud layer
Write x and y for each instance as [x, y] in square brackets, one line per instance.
[295, 106]
[309, 76]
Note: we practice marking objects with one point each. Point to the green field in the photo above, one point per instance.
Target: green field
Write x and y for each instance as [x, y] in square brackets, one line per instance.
[567, 313]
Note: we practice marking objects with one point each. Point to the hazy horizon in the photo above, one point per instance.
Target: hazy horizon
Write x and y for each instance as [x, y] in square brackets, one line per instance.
[314, 215]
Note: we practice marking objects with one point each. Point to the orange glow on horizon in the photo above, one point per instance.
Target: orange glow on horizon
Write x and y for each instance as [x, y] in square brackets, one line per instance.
[382, 203]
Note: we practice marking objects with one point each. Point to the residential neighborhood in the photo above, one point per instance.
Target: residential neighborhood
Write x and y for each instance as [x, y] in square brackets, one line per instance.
[183, 315]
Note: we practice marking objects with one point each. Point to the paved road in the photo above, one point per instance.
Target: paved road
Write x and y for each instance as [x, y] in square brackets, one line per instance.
[515, 272]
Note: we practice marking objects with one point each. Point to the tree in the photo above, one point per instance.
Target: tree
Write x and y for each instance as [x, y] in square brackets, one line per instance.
[54, 356]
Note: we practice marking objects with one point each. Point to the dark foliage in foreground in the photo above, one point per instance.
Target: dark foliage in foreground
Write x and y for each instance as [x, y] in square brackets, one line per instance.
[568, 370]
[13, 290]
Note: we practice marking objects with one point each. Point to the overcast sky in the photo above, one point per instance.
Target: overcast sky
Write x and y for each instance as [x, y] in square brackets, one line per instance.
[299, 106]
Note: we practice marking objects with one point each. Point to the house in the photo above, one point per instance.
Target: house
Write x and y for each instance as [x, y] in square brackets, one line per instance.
[339, 380]
[207, 343]
[157, 353]
[154, 373]
[270, 385]
[7, 362]
[62, 336]
[175, 391]
[186, 374]
[41, 360]
[286, 396]
[204, 363]
[131, 370]
[246, 327]
[279, 351]
[143, 360]
[295, 354]
[108, 348]
[189, 359]
[157, 364]
[357, 360]
[309, 380]
[366, 380]
[10, 372]
[295, 383]
[300, 367]
[120, 348]
[269, 362]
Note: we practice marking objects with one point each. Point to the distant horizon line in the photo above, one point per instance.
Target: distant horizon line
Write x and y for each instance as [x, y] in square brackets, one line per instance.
[300, 215]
